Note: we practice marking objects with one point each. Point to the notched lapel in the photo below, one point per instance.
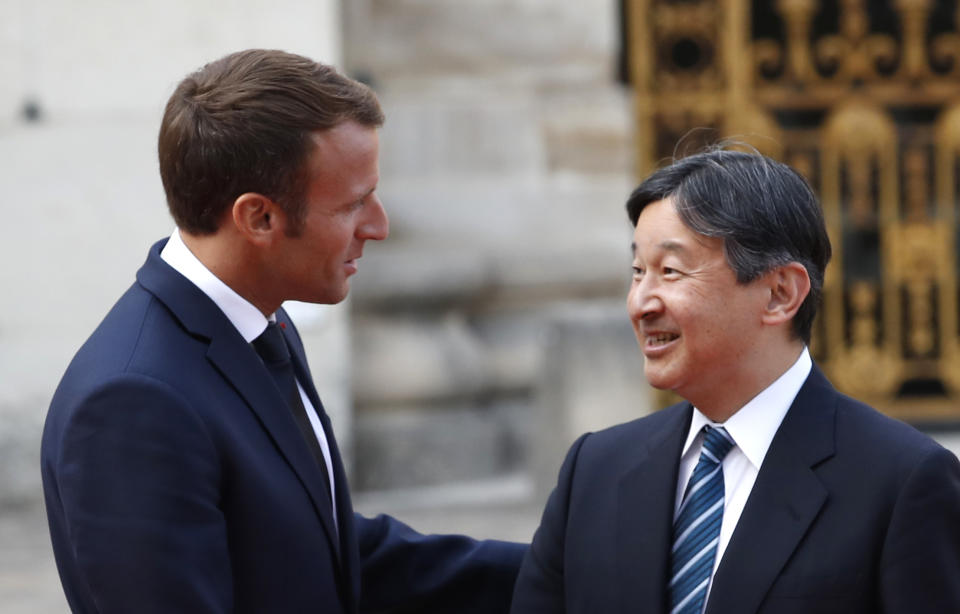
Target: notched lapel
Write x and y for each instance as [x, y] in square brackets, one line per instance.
[784, 502]
[344, 506]
[239, 365]
[645, 502]
[778, 514]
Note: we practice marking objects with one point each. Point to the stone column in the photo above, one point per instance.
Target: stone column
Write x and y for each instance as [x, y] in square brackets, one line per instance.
[592, 378]
[505, 163]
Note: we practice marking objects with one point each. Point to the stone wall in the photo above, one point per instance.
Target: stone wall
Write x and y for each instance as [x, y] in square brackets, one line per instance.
[506, 162]
[82, 196]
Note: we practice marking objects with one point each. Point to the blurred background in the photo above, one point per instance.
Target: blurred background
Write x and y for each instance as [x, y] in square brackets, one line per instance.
[489, 329]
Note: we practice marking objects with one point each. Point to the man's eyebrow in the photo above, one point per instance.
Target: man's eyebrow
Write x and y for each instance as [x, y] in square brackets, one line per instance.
[671, 245]
[361, 197]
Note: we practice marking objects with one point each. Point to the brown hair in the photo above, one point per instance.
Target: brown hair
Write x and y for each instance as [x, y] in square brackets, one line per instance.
[243, 124]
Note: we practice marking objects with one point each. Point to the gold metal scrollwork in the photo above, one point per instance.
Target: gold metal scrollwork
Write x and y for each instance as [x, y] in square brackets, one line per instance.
[948, 214]
[863, 369]
[798, 15]
[945, 50]
[854, 53]
[864, 99]
[859, 192]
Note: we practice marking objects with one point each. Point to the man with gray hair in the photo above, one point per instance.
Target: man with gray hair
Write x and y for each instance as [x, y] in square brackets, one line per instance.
[766, 491]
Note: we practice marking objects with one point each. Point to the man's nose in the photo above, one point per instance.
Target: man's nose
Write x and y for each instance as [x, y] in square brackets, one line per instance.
[643, 300]
[377, 226]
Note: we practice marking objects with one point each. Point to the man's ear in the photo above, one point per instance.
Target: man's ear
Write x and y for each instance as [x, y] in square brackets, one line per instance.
[257, 217]
[789, 286]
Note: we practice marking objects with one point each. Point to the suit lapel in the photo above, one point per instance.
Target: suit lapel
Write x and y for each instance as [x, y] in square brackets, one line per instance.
[239, 365]
[785, 500]
[646, 499]
[348, 539]
[341, 488]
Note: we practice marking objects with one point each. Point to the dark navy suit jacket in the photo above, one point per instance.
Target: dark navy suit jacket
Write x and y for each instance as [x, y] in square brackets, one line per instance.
[176, 480]
[852, 512]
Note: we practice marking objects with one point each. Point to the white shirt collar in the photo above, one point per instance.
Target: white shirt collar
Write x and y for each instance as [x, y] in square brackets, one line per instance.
[755, 424]
[246, 318]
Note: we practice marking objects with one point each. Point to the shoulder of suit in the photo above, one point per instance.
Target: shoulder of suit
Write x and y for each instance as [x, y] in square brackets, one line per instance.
[862, 427]
[627, 434]
[654, 420]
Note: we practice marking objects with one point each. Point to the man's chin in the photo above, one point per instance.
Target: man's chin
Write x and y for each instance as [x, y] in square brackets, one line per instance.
[329, 297]
[342, 294]
[658, 380]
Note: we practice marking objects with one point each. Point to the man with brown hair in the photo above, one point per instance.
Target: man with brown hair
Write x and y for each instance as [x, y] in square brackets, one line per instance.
[187, 460]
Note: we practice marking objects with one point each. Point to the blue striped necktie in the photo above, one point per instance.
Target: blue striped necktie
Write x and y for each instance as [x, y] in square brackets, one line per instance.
[696, 530]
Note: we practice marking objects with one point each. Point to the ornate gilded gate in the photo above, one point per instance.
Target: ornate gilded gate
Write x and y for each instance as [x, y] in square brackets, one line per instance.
[863, 97]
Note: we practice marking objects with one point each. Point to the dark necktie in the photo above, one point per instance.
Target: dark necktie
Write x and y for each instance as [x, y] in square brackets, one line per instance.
[272, 348]
[696, 531]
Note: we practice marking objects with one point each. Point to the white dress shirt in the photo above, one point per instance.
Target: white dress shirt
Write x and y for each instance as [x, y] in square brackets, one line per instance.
[752, 428]
[247, 319]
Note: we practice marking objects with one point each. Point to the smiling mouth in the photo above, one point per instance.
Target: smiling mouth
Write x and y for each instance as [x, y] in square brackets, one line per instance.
[660, 339]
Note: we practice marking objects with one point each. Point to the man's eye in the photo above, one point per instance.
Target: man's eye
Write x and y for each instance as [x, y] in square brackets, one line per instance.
[637, 271]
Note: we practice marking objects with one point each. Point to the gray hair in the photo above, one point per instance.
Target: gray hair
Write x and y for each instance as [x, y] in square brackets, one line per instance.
[764, 211]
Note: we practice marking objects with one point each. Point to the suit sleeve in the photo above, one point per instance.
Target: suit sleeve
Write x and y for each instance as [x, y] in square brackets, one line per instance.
[138, 482]
[920, 566]
[540, 585]
[404, 571]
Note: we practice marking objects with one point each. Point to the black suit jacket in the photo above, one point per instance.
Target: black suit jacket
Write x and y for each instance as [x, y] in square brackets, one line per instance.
[851, 512]
[176, 480]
